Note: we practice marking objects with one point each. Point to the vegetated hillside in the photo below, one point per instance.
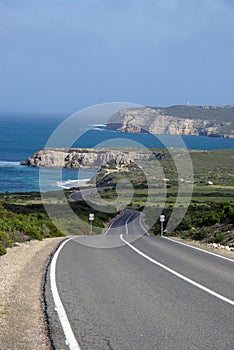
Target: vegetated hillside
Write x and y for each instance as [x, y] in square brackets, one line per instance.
[215, 166]
[178, 120]
[222, 114]
[210, 214]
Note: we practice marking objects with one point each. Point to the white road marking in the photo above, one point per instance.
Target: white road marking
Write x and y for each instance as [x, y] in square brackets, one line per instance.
[69, 335]
[202, 250]
[142, 225]
[126, 223]
[198, 285]
[122, 213]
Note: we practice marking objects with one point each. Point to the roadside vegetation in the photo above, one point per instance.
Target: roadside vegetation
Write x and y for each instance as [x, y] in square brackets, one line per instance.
[210, 215]
[23, 217]
[210, 222]
[20, 227]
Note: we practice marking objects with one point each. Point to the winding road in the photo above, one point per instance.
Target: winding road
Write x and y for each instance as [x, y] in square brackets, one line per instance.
[128, 290]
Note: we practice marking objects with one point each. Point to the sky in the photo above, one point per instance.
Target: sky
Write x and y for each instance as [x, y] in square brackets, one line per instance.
[58, 56]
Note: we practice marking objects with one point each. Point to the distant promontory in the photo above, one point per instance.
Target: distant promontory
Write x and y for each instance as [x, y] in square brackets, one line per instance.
[87, 158]
[211, 121]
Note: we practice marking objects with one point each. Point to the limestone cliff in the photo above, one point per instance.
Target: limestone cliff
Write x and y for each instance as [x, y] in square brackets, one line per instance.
[89, 158]
[185, 120]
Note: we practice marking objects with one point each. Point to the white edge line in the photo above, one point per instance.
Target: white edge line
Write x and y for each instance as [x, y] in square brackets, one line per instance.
[69, 335]
[219, 296]
[202, 250]
[140, 221]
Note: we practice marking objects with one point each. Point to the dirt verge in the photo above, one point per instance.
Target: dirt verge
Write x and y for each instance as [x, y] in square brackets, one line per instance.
[22, 319]
[217, 248]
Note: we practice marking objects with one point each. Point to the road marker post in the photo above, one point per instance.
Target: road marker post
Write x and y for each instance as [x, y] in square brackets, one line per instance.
[91, 218]
[162, 219]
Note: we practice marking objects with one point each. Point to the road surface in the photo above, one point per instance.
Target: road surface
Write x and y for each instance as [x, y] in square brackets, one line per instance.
[143, 293]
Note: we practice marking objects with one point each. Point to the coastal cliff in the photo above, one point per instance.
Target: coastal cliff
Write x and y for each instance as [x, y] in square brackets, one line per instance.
[89, 158]
[177, 120]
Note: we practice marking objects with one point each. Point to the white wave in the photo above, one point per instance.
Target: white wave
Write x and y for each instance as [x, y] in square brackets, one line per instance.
[4, 163]
[98, 125]
[72, 183]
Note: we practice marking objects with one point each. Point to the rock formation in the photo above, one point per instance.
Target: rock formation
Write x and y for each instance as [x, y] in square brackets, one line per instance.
[89, 158]
[197, 121]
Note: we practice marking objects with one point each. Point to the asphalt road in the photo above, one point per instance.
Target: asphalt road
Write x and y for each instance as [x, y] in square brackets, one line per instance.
[148, 293]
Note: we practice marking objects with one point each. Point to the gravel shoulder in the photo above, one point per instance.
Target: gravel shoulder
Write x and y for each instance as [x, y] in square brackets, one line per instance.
[22, 319]
[217, 249]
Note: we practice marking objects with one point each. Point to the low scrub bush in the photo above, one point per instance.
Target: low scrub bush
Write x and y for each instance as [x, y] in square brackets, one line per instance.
[2, 250]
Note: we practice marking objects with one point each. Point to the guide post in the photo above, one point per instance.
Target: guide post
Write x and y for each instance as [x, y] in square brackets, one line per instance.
[162, 219]
[91, 218]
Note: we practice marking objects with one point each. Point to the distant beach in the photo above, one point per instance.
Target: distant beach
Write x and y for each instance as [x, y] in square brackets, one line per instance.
[74, 183]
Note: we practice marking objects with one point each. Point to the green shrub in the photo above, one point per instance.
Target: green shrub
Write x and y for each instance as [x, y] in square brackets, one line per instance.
[2, 250]
[217, 238]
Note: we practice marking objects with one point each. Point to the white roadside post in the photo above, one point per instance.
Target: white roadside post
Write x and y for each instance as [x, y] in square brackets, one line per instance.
[162, 219]
[91, 218]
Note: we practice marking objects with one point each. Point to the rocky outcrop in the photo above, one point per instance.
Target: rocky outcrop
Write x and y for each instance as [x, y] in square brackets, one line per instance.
[158, 121]
[89, 158]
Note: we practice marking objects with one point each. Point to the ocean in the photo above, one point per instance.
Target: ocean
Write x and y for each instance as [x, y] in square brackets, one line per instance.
[21, 136]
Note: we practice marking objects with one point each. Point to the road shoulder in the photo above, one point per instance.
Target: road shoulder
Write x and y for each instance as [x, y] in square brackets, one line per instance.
[22, 318]
[219, 250]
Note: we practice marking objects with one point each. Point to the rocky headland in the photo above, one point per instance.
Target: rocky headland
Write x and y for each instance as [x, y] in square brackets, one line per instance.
[89, 158]
[178, 120]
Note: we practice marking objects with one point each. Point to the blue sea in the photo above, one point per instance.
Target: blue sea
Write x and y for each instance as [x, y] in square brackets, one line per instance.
[21, 136]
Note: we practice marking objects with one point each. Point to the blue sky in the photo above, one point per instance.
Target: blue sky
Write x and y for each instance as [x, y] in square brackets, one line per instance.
[58, 56]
